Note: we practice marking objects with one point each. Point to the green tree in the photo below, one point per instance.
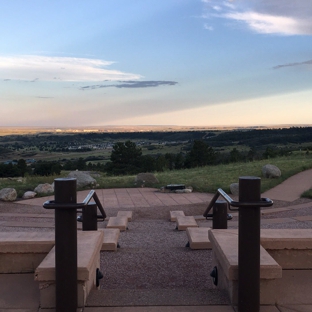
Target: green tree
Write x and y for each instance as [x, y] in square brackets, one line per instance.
[125, 159]
[235, 155]
[22, 166]
[201, 154]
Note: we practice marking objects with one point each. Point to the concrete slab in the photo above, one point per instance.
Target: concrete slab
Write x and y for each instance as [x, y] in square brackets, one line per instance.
[120, 223]
[163, 309]
[286, 238]
[263, 308]
[19, 292]
[303, 218]
[184, 222]
[127, 214]
[176, 213]
[110, 240]
[295, 308]
[28, 224]
[87, 243]
[198, 237]
[277, 220]
[225, 247]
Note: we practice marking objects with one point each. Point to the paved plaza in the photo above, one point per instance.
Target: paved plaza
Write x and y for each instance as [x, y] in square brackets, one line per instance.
[152, 270]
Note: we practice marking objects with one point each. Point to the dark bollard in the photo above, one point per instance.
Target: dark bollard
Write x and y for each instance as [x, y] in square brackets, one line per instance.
[220, 216]
[65, 244]
[249, 245]
[89, 217]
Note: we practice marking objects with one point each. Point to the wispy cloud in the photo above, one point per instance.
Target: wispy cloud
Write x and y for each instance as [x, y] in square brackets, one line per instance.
[293, 64]
[33, 68]
[132, 84]
[285, 17]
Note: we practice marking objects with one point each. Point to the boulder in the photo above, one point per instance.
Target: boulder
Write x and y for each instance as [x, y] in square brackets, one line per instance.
[147, 178]
[234, 188]
[45, 188]
[29, 194]
[83, 179]
[271, 171]
[8, 194]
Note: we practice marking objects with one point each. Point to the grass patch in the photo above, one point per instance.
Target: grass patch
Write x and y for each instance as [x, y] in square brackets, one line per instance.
[202, 179]
[307, 194]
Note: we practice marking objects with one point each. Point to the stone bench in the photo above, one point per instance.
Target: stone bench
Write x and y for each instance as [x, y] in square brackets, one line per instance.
[175, 214]
[22, 252]
[198, 238]
[120, 223]
[110, 239]
[184, 222]
[89, 244]
[292, 250]
[127, 214]
[225, 258]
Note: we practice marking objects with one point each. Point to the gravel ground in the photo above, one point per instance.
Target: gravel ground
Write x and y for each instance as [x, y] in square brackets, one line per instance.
[153, 266]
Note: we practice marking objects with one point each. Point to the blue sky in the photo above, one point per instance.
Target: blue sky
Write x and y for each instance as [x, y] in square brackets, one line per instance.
[146, 62]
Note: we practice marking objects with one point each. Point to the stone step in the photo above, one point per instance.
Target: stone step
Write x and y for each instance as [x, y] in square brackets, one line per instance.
[175, 214]
[183, 222]
[120, 223]
[198, 237]
[110, 239]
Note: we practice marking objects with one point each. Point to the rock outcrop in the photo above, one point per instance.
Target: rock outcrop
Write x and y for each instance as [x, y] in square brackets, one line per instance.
[8, 194]
[45, 188]
[234, 188]
[29, 194]
[271, 171]
[83, 179]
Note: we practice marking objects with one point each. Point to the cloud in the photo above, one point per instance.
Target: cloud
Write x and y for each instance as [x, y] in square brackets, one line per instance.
[277, 17]
[132, 84]
[293, 64]
[43, 68]
[266, 24]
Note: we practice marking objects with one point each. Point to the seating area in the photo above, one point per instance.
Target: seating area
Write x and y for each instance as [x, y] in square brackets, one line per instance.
[89, 244]
[197, 236]
[285, 265]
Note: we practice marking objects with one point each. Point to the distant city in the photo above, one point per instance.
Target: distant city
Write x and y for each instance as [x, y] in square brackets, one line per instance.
[144, 128]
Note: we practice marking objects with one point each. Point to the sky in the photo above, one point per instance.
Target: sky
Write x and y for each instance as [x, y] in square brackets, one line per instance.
[146, 62]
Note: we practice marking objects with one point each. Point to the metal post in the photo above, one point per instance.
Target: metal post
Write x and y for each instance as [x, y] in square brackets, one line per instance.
[219, 218]
[249, 245]
[89, 217]
[65, 246]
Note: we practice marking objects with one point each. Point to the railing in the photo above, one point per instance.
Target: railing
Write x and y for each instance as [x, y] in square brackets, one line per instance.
[65, 206]
[264, 202]
[248, 205]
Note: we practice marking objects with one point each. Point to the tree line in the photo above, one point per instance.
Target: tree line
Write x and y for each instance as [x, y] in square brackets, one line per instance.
[127, 158]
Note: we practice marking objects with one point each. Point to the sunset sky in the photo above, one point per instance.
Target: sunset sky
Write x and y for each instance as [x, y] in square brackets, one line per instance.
[147, 62]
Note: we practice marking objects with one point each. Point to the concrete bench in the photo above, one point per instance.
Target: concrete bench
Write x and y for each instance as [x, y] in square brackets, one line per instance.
[120, 223]
[292, 250]
[110, 240]
[22, 252]
[225, 258]
[89, 244]
[127, 214]
[198, 238]
[175, 214]
[183, 222]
